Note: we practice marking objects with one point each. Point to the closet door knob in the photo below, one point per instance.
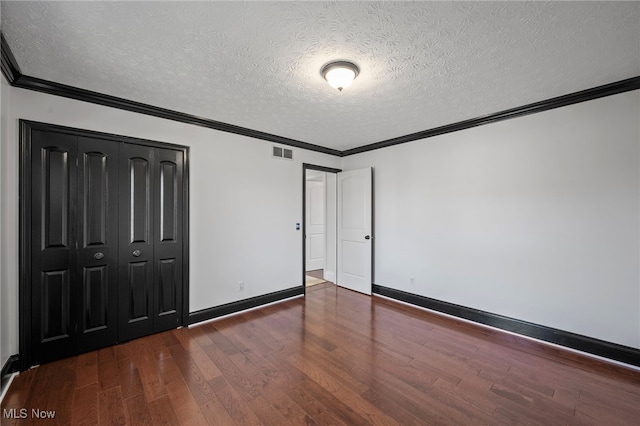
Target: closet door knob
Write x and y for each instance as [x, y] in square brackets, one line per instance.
[98, 256]
[136, 253]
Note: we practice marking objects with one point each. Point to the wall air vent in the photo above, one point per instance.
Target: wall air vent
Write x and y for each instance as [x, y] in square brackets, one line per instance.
[284, 153]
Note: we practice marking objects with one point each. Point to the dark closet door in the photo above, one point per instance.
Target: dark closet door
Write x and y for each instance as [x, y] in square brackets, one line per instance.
[74, 244]
[53, 245]
[103, 241]
[168, 239]
[97, 243]
[135, 297]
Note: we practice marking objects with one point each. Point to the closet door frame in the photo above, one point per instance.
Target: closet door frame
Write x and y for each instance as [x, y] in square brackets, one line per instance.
[25, 209]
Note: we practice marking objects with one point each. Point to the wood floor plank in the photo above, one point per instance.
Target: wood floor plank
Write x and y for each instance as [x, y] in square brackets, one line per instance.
[319, 412]
[272, 391]
[243, 385]
[87, 369]
[138, 410]
[162, 412]
[474, 397]
[85, 405]
[150, 375]
[266, 412]
[360, 405]
[111, 407]
[403, 411]
[128, 378]
[108, 373]
[59, 376]
[159, 345]
[209, 404]
[183, 335]
[514, 382]
[619, 410]
[108, 353]
[169, 371]
[335, 357]
[184, 404]
[204, 364]
[521, 401]
[339, 408]
[233, 403]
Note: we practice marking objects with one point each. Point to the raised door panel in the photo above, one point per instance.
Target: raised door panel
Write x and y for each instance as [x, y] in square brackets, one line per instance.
[138, 291]
[53, 244]
[56, 322]
[95, 314]
[168, 239]
[168, 178]
[98, 243]
[167, 283]
[136, 255]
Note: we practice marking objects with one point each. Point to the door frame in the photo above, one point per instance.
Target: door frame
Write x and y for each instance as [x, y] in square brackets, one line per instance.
[24, 274]
[305, 167]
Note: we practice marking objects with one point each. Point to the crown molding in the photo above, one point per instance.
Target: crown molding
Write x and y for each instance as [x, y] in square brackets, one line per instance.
[10, 68]
[557, 102]
[12, 73]
[52, 88]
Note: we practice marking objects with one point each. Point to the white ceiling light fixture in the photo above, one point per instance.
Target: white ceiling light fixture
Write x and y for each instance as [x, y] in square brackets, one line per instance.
[340, 74]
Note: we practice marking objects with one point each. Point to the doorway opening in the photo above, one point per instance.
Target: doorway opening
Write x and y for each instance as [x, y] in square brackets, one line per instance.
[318, 225]
[343, 254]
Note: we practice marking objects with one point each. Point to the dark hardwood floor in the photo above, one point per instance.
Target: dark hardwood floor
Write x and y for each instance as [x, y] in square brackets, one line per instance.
[334, 357]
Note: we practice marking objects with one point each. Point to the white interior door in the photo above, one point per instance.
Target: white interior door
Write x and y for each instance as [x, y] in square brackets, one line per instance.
[354, 230]
[315, 225]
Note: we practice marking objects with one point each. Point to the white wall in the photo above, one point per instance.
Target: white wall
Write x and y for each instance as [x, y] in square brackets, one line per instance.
[535, 218]
[243, 204]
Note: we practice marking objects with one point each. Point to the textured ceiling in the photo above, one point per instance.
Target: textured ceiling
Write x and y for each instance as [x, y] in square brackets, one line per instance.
[257, 64]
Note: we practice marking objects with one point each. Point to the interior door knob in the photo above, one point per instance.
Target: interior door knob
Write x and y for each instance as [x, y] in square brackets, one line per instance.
[367, 237]
[137, 253]
[98, 256]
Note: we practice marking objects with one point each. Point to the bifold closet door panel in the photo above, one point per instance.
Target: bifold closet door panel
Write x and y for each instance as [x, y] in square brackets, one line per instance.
[168, 239]
[103, 232]
[53, 245]
[136, 204]
[97, 297]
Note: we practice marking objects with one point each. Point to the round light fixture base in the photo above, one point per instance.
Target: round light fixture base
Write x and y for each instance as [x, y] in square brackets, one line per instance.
[340, 74]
